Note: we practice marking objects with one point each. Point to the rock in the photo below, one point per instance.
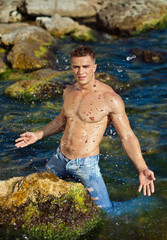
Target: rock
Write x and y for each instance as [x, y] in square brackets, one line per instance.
[149, 55]
[60, 26]
[8, 27]
[112, 82]
[14, 17]
[30, 50]
[3, 66]
[29, 33]
[6, 9]
[41, 74]
[128, 17]
[46, 207]
[33, 90]
[74, 8]
[44, 84]
[83, 33]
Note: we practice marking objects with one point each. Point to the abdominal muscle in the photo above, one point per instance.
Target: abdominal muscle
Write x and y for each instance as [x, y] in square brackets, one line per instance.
[82, 139]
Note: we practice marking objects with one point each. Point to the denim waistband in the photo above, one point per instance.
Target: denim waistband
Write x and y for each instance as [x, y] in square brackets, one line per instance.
[95, 157]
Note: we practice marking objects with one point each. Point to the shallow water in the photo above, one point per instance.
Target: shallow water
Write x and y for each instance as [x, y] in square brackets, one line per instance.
[139, 217]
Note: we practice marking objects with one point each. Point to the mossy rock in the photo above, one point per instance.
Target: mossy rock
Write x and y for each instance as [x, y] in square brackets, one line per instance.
[41, 74]
[33, 90]
[41, 85]
[46, 207]
[150, 24]
[83, 33]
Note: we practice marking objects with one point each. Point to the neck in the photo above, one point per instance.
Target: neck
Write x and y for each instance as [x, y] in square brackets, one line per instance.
[87, 87]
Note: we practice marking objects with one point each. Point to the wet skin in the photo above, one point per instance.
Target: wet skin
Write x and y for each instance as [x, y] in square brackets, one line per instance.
[88, 106]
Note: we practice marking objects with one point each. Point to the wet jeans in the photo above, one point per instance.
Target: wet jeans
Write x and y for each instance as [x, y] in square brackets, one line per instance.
[85, 170]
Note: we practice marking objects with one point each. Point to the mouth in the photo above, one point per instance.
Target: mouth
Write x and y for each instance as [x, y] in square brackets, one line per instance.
[81, 77]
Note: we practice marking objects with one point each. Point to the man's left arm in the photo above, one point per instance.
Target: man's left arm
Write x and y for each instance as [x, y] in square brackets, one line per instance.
[131, 145]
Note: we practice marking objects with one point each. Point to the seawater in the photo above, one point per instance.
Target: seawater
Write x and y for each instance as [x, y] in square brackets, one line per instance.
[135, 216]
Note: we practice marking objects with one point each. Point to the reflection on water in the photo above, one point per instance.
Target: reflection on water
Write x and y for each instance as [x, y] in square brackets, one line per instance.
[136, 217]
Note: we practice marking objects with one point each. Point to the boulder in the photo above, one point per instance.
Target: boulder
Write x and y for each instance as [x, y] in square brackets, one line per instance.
[30, 50]
[6, 9]
[128, 17]
[8, 27]
[74, 8]
[3, 66]
[60, 26]
[27, 33]
[42, 84]
[45, 207]
[41, 74]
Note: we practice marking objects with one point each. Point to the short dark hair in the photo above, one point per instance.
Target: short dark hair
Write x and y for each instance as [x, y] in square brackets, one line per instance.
[83, 51]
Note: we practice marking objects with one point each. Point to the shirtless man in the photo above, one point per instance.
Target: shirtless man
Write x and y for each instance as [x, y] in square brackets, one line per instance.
[88, 107]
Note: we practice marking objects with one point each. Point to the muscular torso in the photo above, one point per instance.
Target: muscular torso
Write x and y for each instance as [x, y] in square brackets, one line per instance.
[87, 118]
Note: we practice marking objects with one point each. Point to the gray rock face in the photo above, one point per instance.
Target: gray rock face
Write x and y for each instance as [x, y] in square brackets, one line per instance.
[6, 9]
[72, 8]
[127, 16]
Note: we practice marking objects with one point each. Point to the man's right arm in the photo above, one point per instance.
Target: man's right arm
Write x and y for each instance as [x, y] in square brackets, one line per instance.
[56, 126]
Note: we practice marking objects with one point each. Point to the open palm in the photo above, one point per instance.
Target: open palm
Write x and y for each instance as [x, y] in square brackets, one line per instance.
[146, 179]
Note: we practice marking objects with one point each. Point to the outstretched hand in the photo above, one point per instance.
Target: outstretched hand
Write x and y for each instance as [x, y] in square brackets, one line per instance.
[27, 139]
[146, 179]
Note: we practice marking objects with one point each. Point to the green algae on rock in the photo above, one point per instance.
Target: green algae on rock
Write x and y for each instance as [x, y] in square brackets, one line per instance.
[41, 74]
[46, 207]
[33, 90]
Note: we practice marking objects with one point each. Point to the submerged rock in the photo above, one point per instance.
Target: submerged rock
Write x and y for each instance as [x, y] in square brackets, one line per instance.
[147, 55]
[33, 90]
[112, 82]
[128, 17]
[38, 85]
[46, 207]
[46, 83]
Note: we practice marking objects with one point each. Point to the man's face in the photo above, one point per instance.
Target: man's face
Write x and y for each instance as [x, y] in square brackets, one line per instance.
[83, 69]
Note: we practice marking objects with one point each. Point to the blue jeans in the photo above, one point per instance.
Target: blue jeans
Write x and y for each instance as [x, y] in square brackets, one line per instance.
[85, 170]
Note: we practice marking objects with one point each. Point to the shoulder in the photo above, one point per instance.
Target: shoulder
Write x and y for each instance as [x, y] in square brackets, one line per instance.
[114, 102]
[68, 90]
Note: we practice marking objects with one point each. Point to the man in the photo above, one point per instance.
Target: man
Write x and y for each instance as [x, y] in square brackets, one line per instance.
[88, 107]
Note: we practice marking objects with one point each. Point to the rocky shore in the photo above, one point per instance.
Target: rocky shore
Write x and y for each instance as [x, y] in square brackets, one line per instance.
[29, 29]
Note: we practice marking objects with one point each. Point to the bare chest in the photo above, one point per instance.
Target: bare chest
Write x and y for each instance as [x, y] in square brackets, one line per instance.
[89, 108]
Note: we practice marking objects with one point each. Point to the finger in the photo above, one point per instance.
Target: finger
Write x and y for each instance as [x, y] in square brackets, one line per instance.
[140, 188]
[19, 139]
[22, 144]
[148, 190]
[152, 187]
[152, 176]
[144, 190]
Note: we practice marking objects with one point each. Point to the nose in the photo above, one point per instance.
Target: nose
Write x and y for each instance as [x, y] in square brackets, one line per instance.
[80, 71]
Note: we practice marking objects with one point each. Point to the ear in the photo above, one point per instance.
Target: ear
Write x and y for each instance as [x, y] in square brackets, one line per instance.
[94, 68]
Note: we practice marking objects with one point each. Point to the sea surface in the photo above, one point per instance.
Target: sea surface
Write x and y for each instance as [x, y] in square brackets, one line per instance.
[137, 217]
